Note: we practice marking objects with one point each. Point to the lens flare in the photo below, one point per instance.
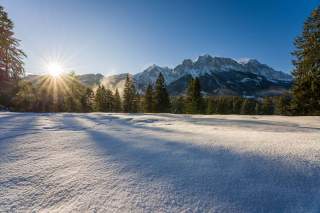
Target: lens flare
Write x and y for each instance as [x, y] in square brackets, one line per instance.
[55, 69]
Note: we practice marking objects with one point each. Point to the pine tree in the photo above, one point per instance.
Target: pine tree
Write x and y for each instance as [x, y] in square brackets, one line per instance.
[267, 106]
[74, 96]
[197, 97]
[11, 56]
[87, 100]
[161, 97]
[282, 105]
[129, 94]
[306, 95]
[189, 97]
[177, 105]
[117, 102]
[148, 99]
[109, 101]
[221, 106]
[211, 107]
[26, 99]
[11, 59]
[195, 102]
[236, 105]
[136, 103]
[257, 108]
[100, 99]
[248, 107]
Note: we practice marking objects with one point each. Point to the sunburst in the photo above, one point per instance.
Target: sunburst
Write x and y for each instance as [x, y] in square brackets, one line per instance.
[55, 69]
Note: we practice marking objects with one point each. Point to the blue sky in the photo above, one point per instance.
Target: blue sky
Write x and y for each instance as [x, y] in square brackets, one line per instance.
[126, 36]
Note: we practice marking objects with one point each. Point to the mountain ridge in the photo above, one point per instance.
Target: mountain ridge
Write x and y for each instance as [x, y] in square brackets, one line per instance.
[218, 76]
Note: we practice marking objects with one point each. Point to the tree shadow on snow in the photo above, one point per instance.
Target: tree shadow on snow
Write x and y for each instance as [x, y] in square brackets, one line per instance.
[14, 128]
[259, 125]
[206, 178]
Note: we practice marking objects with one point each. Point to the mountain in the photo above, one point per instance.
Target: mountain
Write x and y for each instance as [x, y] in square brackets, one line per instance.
[150, 75]
[90, 79]
[218, 76]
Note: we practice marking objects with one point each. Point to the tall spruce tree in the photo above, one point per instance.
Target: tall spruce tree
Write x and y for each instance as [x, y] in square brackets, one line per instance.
[197, 97]
[257, 108]
[236, 104]
[87, 100]
[177, 105]
[109, 101]
[248, 107]
[148, 99]
[11, 58]
[195, 102]
[161, 96]
[211, 106]
[267, 106]
[129, 94]
[189, 97]
[136, 103]
[306, 95]
[282, 105]
[25, 100]
[117, 102]
[100, 99]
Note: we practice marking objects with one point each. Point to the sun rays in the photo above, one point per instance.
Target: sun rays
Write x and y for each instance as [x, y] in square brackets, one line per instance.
[58, 87]
[55, 69]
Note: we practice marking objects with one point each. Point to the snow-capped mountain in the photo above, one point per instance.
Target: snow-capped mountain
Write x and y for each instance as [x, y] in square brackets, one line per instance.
[256, 67]
[150, 75]
[218, 76]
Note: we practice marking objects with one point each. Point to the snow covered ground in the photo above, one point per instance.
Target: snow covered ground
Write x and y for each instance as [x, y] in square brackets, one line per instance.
[158, 163]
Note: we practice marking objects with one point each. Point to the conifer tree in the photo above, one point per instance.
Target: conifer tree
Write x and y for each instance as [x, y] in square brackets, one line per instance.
[248, 107]
[195, 102]
[11, 58]
[177, 105]
[257, 108]
[236, 104]
[221, 105]
[306, 95]
[25, 100]
[282, 105]
[161, 97]
[136, 103]
[197, 97]
[100, 99]
[117, 102]
[87, 100]
[109, 100]
[267, 106]
[148, 99]
[129, 94]
[211, 108]
[189, 97]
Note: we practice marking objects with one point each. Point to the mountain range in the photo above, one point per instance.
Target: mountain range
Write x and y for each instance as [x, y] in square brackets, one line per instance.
[217, 75]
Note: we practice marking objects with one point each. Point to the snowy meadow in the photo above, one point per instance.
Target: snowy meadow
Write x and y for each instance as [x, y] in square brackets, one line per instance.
[104, 162]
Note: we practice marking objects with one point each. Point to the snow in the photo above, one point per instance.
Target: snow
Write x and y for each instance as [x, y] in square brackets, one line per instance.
[103, 162]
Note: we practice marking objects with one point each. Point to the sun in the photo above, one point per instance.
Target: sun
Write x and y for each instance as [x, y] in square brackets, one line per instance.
[55, 69]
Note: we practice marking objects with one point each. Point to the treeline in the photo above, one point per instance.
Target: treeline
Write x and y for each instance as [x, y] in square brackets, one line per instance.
[67, 94]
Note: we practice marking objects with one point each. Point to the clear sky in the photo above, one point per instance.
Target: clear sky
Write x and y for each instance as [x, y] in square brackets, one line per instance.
[96, 36]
